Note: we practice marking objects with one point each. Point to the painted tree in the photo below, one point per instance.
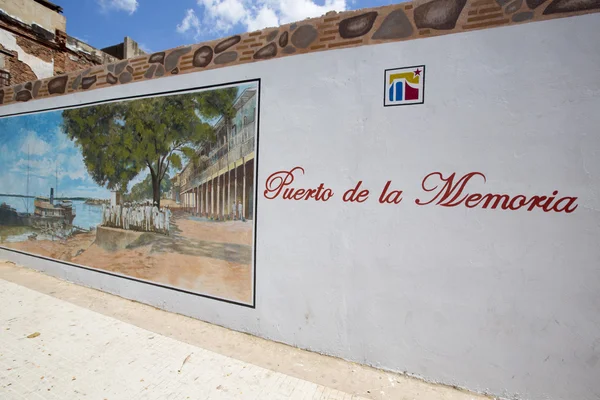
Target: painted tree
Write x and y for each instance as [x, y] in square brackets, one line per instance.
[143, 190]
[219, 104]
[119, 140]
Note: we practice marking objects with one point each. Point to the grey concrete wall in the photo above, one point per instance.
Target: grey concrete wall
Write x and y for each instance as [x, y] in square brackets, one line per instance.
[31, 12]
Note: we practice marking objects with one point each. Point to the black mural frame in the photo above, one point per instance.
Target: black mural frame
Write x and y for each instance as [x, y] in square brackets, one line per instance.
[256, 197]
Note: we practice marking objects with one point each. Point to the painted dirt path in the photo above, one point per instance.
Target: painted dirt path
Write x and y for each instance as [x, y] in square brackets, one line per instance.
[212, 258]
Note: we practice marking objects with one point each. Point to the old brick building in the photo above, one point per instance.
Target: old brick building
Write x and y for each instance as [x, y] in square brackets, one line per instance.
[34, 43]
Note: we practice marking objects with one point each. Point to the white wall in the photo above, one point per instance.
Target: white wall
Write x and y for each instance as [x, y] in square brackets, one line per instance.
[492, 300]
[42, 69]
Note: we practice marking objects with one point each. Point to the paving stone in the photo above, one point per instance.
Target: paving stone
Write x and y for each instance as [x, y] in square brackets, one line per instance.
[82, 354]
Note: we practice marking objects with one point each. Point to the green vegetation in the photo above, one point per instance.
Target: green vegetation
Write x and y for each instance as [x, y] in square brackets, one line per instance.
[143, 190]
[119, 140]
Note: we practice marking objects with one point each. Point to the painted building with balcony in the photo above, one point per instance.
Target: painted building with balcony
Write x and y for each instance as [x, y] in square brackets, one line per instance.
[224, 178]
[175, 190]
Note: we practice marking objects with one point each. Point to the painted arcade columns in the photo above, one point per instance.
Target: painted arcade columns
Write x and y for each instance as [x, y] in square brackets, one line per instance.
[219, 197]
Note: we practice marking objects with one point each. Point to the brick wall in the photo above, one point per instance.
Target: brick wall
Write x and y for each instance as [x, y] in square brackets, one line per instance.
[19, 71]
[66, 54]
[65, 63]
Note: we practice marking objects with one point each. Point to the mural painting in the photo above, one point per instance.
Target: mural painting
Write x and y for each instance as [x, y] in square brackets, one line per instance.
[159, 189]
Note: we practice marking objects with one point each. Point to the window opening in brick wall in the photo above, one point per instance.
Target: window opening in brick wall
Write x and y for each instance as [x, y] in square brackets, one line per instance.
[4, 78]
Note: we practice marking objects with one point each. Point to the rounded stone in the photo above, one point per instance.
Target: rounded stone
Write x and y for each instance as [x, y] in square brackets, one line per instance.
[227, 43]
[125, 77]
[88, 81]
[1, 96]
[58, 85]
[533, 4]
[36, 88]
[304, 36]
[289, 50]
[174, 56]
[76, 82]
[513, 7]
[110, 78]
[438, 14]
[523, 16]
[395, 26]
[157, 58]
[120, 67]
[357, 26]
[564, 6]
[269, 51]
[202, 57]
[150, 72]
[160, 71]
[283, 39]
[226, 58]
[272, 35]
[29, 86]
[23, 95]
[175, 71]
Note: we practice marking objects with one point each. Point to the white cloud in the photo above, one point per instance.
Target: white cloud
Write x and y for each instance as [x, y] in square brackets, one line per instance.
[189, 23]
[222, 16]
[265, 17]
[297, 10]
[62, 142]
[145, 48]
[73, 167]
[66, 163]
[42, 168]
[33, 145]
[120, 5]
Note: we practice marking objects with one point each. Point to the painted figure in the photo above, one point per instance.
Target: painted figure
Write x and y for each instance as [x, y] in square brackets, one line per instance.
[118, 216]
[240, 211]
[155, 215]
[168, 220]
[161, 220]
[124, 217]
[103, 214]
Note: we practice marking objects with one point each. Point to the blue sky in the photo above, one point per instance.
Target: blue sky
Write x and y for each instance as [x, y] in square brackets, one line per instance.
[160, 25]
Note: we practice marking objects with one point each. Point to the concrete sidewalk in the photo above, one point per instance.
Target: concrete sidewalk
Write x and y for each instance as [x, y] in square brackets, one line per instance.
[62, 341]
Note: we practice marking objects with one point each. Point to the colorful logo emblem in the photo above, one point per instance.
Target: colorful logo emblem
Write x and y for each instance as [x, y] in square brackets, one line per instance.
[404, 86]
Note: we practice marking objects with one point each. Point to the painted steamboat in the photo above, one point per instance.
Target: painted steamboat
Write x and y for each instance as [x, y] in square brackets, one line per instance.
[48, 213]
[52, 213]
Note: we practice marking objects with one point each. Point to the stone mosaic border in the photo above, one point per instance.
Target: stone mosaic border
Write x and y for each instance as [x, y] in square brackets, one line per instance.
[405, 21]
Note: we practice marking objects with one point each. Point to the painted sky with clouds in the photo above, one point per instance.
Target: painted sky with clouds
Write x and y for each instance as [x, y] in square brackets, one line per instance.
[40, 138]
[49, 149]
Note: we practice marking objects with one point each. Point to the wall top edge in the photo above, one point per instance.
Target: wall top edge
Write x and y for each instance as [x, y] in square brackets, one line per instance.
[332, 31]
